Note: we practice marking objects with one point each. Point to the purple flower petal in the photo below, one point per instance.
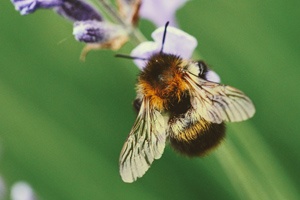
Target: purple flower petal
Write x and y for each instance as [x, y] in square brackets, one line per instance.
[160, 11]
[29, 6]
[88, 31]
[77, 10]
[92, 31]
[177, 41]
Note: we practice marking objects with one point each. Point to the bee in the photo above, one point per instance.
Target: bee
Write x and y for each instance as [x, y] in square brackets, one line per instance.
[177, 104]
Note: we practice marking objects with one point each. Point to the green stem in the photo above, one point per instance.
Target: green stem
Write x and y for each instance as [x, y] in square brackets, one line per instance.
[136, 35]
[111, 11]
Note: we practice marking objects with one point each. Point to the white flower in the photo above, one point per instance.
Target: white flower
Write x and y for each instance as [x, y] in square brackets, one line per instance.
[212, 76]
[22, 191]
[161, 11]
[177, 42]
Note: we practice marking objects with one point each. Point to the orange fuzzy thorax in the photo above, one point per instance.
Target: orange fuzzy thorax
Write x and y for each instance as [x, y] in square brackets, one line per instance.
[162, 81]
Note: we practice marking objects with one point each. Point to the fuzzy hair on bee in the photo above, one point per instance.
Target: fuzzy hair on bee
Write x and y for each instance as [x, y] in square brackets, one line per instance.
[176, 103]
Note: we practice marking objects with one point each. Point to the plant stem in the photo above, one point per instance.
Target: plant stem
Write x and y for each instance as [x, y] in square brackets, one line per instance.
[109, 8]
[135, 34]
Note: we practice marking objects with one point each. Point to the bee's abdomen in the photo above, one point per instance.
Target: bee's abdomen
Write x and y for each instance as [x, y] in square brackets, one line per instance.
[198, 140]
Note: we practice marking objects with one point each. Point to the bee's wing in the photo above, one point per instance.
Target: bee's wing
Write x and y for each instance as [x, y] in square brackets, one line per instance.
[145, 142]
[216, 102]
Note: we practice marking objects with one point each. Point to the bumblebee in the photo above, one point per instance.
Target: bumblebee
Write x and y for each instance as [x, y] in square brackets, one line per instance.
[176, 103]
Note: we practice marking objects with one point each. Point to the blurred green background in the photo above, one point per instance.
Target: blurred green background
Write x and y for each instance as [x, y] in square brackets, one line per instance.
[63, 122]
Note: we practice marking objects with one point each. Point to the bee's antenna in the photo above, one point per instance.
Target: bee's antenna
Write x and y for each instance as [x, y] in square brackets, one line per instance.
[129, 57]
[164, 38]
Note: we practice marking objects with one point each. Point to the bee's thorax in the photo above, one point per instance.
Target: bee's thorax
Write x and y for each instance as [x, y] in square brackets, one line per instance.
[162, 80]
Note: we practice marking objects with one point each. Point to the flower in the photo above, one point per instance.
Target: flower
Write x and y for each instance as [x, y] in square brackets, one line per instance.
[74, 10]
[89, 26]
[161, 11]
[29, 6]
[22, 191]
[177, 42]
[99, 35]
[92, 31]
[88, 31]
[77, 10]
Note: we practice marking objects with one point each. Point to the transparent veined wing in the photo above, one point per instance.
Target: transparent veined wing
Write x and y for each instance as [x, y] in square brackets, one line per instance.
[146, 142]
[216, 102]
